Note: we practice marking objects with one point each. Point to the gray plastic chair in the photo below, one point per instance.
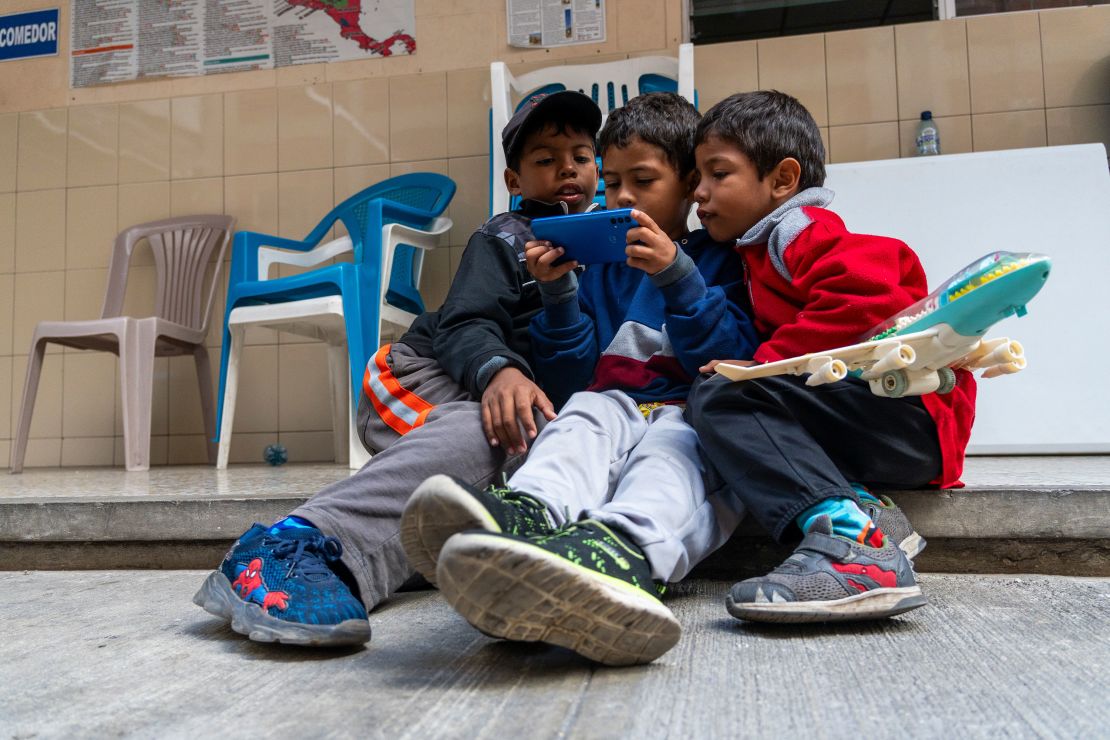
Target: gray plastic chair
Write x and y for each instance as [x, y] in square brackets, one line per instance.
[182, 249]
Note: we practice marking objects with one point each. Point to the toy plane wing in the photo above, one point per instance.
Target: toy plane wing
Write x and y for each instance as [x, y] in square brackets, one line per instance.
[918, 350]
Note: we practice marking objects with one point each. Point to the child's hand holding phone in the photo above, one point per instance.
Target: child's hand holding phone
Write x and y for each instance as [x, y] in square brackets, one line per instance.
[539, 256]
[649, 247]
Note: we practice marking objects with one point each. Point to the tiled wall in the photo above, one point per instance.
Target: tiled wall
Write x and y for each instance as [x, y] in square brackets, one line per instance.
[278, 148]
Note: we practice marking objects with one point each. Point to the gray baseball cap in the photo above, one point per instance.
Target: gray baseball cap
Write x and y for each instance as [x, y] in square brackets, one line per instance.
[573, 107]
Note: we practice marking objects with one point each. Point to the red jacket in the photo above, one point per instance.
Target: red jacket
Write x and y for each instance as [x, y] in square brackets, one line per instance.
[828, 289]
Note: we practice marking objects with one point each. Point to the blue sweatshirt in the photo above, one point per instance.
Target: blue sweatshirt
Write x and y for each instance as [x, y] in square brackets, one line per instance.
[616, 327]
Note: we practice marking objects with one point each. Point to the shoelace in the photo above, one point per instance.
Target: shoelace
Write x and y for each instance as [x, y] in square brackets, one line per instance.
[310, 556]
[518, 498]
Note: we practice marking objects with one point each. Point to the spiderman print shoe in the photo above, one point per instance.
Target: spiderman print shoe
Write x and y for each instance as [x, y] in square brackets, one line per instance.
[830, 579]
[278, 586]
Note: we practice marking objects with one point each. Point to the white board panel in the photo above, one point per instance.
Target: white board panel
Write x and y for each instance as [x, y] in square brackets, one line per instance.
[1055, 200]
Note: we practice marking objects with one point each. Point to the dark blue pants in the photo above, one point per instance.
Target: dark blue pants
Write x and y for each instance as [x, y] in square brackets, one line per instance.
[781, 446]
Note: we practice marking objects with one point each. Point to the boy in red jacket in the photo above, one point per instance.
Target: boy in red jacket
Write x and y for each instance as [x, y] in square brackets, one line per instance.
[794, 455]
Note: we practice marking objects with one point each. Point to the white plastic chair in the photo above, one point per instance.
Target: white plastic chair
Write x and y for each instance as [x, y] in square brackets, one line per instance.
[322, 318]
[610, 84]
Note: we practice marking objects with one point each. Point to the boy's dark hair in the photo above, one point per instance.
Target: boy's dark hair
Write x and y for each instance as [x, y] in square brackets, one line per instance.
[768, 126]
[663, 119]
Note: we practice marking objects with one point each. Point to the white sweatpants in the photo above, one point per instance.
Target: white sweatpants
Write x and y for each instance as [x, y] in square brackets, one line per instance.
[601, 459]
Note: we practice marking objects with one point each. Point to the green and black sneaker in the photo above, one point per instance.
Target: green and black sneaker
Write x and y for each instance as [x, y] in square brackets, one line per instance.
[444, 505]
[585, 588]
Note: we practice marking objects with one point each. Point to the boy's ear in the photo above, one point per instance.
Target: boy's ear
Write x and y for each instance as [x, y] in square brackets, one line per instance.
[512, 181]
[785, 178]
[690, 183]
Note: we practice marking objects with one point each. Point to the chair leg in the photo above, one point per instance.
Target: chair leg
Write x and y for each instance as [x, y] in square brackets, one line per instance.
[233, 352]
[338, 365]
[30, 389]
[207, 400]
[136, 363]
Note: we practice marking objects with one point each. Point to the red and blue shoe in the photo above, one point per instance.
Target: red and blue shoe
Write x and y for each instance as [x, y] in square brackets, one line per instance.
[830, 578]
[279, 586]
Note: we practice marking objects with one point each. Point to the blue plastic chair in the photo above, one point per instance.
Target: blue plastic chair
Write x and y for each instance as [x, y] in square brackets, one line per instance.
[392, 220]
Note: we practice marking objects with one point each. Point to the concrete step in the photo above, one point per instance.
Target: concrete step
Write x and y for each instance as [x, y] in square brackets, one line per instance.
[1017, 514]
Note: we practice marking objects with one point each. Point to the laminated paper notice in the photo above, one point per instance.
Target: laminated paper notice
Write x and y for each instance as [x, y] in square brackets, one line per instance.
[117, 40]
[540, 23]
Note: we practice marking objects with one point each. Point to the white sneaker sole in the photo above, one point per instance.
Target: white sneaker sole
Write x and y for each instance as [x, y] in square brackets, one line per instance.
[513, 590]
[875, 604]
[437, 509]
[218, 598]
[912, 545]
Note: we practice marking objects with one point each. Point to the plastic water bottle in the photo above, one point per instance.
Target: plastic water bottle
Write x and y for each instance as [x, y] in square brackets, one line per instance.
[928, 137]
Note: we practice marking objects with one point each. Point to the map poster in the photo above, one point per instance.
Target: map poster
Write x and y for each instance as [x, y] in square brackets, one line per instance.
[118, 40]
[543, 23]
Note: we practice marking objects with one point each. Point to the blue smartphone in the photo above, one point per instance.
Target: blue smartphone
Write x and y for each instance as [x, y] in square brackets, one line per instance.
[590, 238]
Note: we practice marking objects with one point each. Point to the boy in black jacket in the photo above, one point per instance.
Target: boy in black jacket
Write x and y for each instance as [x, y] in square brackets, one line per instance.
[455, 394]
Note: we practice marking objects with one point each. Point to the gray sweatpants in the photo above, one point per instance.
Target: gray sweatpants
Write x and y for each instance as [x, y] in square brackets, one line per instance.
[602, 459]
[364, 510]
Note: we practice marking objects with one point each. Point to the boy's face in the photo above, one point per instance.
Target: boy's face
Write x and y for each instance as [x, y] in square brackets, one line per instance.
[731, 195]
[639, 176]
[556, 167]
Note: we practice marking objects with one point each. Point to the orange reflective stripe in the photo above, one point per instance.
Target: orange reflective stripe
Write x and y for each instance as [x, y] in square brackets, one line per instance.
[400, 409]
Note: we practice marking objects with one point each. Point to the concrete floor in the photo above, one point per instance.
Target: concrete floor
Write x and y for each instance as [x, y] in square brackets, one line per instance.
[125, 653]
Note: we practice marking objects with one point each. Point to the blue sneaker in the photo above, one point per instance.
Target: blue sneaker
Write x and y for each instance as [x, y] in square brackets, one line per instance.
[279, 587]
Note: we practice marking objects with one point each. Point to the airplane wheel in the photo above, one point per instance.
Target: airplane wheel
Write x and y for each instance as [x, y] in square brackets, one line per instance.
[947, 380]
[895, 383]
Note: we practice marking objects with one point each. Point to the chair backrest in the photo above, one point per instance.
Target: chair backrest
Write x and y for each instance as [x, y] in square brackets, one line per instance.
[428, 193]
[609, 84]
[182, 249]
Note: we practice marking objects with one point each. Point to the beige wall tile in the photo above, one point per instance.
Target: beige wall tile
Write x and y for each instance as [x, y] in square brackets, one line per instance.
[197, 137]
[7, 307]
[1089, 124]
[301, 74]
[304, 390]
[36, 299]
[93, 154]
[796, 65]
[863, 86]
[138, 204]
[91, 226]
[469, 208]
[40, 230]
[185, 416]
[88, 451]
[9, 150]
[435, 278]
[442, 45]
[1004, 62]
[187, 449]
[426, 165]
[308, 446]
[418, 117]
[955, 135]
[304, 127]
[863, 142]
[256, 408]
[641, 24]
[723, 69]
[350, 180]
[5, 454]
[250, 447]
[190, 197]
[932, 68]
[84, 294]
[43, 453]
[250, 132]
[139, 299]
[46, 420]
[42, 149]
[468, 106]
[303, 199]
[7, 232]
[255, 79]
[1016, 130]
[252, 200]
[5, 404]
[89, 395]
[361, 113]
[144, 141]
[1076, 61]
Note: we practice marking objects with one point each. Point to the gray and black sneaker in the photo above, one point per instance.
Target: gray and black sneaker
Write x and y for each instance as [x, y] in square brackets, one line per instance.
[585, 587]
[893, 522]
[830, 579]
[444, 505]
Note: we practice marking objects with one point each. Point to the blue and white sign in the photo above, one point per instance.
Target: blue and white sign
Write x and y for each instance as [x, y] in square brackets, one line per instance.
[33, 34]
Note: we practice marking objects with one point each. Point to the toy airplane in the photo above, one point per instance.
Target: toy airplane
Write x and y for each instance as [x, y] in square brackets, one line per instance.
[917, 351]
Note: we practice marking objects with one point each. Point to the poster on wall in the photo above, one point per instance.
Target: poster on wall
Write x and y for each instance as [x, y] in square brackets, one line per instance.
[546, 23]
[117, 40]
